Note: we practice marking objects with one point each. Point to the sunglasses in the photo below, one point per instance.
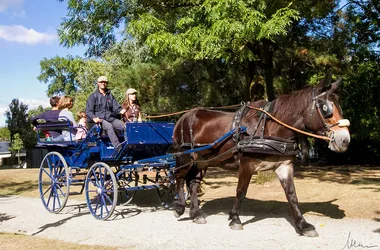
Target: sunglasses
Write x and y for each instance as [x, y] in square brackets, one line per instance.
[104, 82]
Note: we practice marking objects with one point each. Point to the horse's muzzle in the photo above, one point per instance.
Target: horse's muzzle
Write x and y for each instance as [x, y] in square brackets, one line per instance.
[340, 140]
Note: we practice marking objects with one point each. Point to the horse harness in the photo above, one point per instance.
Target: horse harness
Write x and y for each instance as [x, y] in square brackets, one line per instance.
[261, 143]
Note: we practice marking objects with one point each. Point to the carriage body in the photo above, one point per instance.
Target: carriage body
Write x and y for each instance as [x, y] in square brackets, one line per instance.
[102, 172]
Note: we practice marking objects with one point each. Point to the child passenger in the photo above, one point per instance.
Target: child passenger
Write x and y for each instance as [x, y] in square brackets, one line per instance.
[82, 126]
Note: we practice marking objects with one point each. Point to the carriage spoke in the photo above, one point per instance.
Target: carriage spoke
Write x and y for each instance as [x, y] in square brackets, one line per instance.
[47, 190]
[49, 175]
[101, 182]
[53, 182]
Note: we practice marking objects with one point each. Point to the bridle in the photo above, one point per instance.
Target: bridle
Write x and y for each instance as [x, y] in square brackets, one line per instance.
[325, 110]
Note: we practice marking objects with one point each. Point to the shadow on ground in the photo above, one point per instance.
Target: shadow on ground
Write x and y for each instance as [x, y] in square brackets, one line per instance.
[271, 209]
[57, 223]
[16, 188]
[4, 217]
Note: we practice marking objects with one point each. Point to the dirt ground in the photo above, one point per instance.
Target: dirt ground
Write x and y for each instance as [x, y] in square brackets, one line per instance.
[336, 191]
[342, 191]
[341, 202]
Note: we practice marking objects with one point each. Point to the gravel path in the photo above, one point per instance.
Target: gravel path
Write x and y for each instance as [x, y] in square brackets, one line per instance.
[154, 228]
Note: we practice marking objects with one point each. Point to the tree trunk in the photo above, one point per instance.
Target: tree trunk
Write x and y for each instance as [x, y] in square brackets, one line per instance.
[267, 61]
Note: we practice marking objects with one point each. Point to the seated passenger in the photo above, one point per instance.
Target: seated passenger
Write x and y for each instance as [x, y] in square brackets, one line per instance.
[65, 104]
[103, 108]
[82, 125]
[49, 116]
[132, 106]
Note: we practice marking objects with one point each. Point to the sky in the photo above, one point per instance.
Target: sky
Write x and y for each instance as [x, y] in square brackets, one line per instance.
[28, 34]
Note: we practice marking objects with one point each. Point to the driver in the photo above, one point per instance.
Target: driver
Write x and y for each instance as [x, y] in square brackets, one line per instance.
[102, 108]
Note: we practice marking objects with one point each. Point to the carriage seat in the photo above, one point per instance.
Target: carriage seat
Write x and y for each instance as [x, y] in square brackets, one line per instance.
[54, 126]
[104, 134]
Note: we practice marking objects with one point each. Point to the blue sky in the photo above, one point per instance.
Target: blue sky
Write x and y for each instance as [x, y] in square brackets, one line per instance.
[28, 33]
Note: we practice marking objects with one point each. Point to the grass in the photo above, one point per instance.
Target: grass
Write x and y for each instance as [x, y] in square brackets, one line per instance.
[19, 182]
[11, 241]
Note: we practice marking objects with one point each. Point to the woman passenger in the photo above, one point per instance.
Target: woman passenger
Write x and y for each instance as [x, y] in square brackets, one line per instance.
[132, 106]
[65, 104]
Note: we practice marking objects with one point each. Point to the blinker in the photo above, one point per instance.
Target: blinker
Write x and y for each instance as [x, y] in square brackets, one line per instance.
[326, 108]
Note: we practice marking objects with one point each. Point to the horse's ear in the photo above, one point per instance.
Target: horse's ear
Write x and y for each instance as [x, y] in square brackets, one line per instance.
[325, 82]
[335, 86]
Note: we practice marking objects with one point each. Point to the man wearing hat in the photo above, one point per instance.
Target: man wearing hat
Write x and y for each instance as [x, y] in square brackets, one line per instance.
[103, 108]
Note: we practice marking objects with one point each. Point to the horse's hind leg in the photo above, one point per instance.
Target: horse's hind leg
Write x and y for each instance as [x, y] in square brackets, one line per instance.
[193, 179]
[245, 175]
[285, 175]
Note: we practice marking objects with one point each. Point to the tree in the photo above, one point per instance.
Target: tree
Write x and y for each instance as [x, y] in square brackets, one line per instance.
[5, 134]
[61, 74]
[17, 121]
[16, 146]
[238, 31]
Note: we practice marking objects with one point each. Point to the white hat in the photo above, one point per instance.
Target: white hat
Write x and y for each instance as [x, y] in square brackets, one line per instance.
[131, 91]
[102, 79]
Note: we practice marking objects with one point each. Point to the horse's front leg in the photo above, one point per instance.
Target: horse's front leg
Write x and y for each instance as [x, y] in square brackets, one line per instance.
[180, 203]
[245, 175]
[194, 178]
[285, 175]
[183, 166]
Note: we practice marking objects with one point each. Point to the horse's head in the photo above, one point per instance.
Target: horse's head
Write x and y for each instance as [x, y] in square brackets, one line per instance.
[325, 116]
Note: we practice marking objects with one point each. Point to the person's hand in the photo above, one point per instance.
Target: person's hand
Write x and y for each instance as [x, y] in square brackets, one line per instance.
[96, 120]
[123, 111]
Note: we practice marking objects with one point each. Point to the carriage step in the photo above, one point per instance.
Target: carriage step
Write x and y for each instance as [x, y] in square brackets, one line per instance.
[75, 193]
[77, 183]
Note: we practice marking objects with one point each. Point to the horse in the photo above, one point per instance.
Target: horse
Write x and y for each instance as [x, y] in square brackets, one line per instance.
[266, 144]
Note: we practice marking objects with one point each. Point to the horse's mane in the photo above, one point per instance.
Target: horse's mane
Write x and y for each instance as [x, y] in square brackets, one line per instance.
[293, 103]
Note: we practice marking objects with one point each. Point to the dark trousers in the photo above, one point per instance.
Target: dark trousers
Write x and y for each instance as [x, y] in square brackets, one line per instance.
[110, 128]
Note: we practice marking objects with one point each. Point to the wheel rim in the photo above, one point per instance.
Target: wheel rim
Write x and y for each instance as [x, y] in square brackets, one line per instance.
[101, 191]
[53, 182]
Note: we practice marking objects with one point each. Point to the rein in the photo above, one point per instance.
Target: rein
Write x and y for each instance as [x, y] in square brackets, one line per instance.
[290, 127]
[188, 110]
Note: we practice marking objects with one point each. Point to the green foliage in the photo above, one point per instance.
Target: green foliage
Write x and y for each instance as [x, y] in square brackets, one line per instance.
[5, 134]
[16, 146]
[215, 29]
[61, 74]
[361, 105]
[17, 121]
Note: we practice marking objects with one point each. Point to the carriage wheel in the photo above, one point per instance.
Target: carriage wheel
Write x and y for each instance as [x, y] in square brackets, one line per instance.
[129, 179]
[53, 182]
[101, 191]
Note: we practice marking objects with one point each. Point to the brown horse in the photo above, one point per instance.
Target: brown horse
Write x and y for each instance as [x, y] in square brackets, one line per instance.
[264, 145]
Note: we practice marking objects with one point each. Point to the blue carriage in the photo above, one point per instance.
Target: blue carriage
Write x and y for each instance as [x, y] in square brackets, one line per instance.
[105, 174]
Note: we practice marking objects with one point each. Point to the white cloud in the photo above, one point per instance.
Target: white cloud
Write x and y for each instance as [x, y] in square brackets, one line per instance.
[19, 14]
[5, 4]
[34, 103]
[20, 34]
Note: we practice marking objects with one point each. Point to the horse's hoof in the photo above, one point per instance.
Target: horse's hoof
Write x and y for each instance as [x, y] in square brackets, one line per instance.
[310, 233]
[235, 226]
[200, 220]
[176, 214]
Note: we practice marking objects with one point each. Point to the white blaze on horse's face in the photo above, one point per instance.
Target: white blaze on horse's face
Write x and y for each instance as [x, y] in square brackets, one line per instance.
[339, 133]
